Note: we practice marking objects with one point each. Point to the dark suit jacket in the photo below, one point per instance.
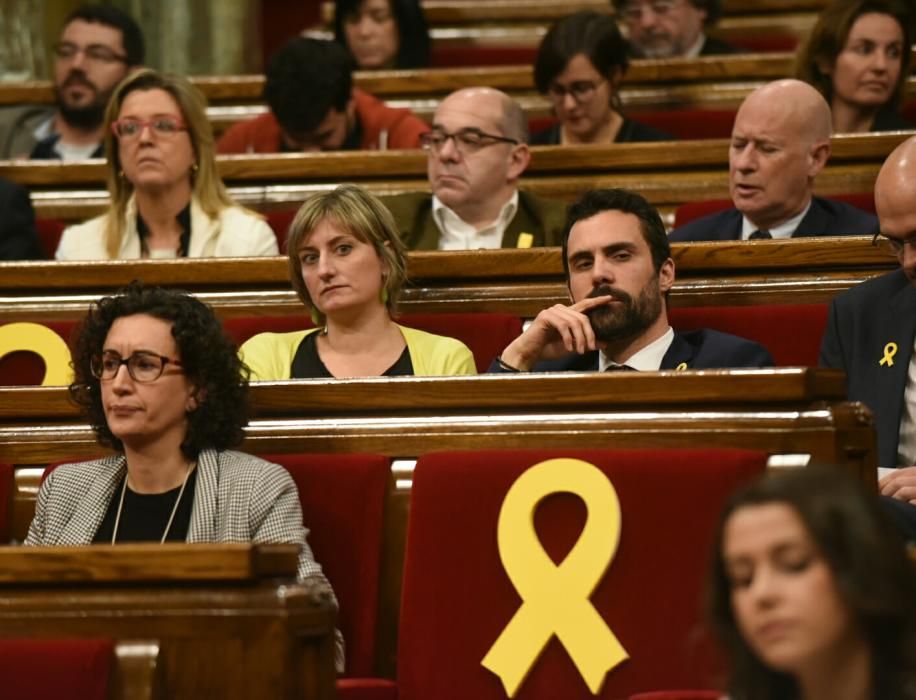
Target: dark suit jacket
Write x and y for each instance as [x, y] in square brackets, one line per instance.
[18, 239]
[701, 349]
[544, 219]
[862, 321]
[826, 217]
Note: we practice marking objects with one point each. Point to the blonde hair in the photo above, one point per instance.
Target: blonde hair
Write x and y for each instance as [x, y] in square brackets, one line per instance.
[207, 187]
[360, 214]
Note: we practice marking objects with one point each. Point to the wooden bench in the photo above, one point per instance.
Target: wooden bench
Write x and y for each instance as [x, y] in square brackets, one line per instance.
[230, 620]
[666, 175]
[518, 282]
[795, 415]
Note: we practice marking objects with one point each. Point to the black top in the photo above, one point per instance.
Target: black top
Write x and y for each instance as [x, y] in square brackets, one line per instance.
[144, 516]
[307, 363]
[630, 132]
[889, 119]
[184, 220]
[46, 149]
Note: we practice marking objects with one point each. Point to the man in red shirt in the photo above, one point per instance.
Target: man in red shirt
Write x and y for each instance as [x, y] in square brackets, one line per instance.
[314, 107]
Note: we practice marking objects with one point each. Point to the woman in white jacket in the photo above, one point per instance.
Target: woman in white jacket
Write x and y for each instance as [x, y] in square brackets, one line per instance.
[167, 199]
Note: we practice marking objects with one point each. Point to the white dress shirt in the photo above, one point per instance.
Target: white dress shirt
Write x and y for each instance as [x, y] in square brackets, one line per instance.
[457, 234]
[649, 359]
[784, 230]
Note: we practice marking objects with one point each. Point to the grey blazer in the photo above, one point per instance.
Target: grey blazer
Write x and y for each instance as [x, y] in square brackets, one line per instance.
[238, 498]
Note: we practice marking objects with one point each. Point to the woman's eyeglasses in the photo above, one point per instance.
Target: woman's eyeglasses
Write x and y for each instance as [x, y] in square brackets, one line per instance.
[142, 366]
[581, 90]
[130, 128]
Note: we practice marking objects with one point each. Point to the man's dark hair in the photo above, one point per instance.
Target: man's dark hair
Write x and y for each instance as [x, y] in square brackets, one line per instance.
[413, 31]
[713, 9]
[305, 79]
[131, 35]
[650, 223]
[208, 357]
[590, 33]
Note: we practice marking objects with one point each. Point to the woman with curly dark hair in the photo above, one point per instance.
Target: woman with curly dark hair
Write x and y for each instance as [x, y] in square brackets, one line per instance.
[812, 593]
[163, 386]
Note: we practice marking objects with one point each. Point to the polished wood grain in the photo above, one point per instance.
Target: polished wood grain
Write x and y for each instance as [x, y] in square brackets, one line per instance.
[241, 633]
[136, 563]
[519, 282]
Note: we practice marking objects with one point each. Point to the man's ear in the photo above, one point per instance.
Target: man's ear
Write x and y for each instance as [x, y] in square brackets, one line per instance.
[519, 158]
[818, 155]
[666, 276]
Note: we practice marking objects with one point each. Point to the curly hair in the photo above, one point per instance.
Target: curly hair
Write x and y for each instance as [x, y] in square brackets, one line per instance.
[208, 356]
[868, 561]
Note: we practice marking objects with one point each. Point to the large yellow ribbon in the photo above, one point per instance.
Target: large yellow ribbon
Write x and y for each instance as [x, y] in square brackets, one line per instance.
[45, 343]
[555, 599]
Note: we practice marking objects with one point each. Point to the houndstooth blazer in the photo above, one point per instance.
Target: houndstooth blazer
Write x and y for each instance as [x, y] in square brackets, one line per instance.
[238, 498]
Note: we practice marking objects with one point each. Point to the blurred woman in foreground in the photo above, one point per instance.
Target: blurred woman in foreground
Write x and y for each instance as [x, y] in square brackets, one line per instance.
[813, 595]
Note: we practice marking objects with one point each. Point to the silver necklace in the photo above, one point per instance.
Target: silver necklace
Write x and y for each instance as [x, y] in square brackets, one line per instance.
[168, 525]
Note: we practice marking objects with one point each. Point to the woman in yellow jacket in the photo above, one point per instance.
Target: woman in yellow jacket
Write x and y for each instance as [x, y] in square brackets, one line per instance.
[347, 264]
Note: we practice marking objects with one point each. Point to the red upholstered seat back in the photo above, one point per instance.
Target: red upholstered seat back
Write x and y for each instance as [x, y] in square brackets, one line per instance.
[444, 56]
[6, 501]
[279, 221]
[791, 332]
[343, 498]
[457, 598]
[32, 669]
[680, 123]
[49, 233]
[679, 695]
[485, 334]
[690, 123]
[23, 368]
[689, 211]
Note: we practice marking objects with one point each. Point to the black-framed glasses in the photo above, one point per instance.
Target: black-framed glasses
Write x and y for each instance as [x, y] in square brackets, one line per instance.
[581, 90]
[466, 140]
[130, 127]
[66, 50]
[142, 366]
[893, 246]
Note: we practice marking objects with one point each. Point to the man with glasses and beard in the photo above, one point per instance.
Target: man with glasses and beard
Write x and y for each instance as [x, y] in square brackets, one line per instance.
[619, 271]
[98, 47]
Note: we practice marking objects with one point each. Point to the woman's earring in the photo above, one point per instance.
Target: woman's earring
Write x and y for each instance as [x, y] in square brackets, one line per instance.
[313, 313]
[384, 295]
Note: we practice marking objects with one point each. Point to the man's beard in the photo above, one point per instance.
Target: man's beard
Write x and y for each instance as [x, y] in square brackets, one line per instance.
[613, 322]
[88, 116]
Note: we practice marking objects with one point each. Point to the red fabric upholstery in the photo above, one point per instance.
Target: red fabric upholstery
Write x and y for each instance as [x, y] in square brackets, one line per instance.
[6, 500]
[485, 334]
[791, 332]
[679, 695]
[49, 233]
[23, 368]
[366, 689]
[279, 221]
[909, 111]
[689, 211]
[680, 123]
[763, 43]
[343, 499]
[444, 56]
[53, 669]
[457, 598]
[690, 123]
